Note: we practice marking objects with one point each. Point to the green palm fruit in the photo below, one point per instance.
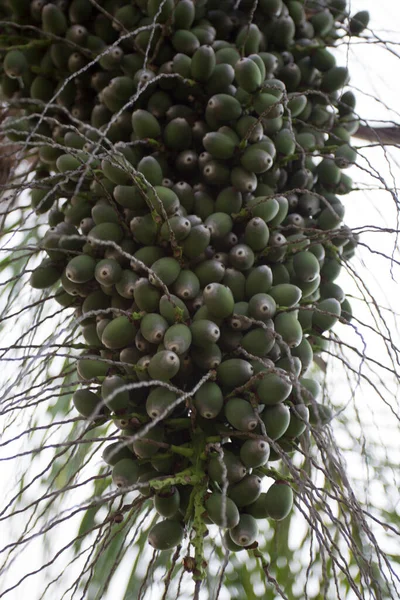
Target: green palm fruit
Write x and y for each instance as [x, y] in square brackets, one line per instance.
[143, 446]
[286, 294]
[273, 388]
[240, 414]
[276, 419]
[53, 20]
[332, 290]
[178, 338]
[279, 500]
[248, 75]
[223, 108]
[258, 341]
[245, 491]
[164, 269]
[221, 78]
[321, 321]
[250, 129]
[45, 275]
[288, 326]
[246, 531]
[234, 372]
[254, 453]
[262, 307]
[305, 353]
[166, 535]
[306, 266]
[359, 22]
[228, 467]
[228, 55]
[96, 300]
[187, 284]
[285, 143]
[114, 394]
[125, 473]
[119, 333]
[229, 201]
[159, 102]
[92, 368]
[128, 196]
[184, 14]
[203, 204]
[164, 200]
[322, 22]
[320, 414]
[159, 402]
[127, 16]
[15, 64]
[330, 269]
[290, 364]
[107, 272]
[64, 299]
[334, 79]
[265, 208]
[219, 145]
[185, 41]
[258, 281]
[164, 365]
[145, 125]
[204, 332]
[299, 418]
[87, 403]
[229, 544]
[173, 309]
[311, 389]
[143, 363]
[256, 234]
[115, 452]
[178, 227]
[177, 134]
[146, 255]
[218, 299]
[90, 335]
[167, 503]
[258, 509]
[125, 286]
[222, 510]
[256, 160]
[146, 296]
[249, 39]
[215, 173]
[208, 400]
[346, 310]
[151, 169]
[203, 64]
[241, 257]
[230, 338]
[101, 325]
[105, 232]
[206, 357]
[209, 271]
[219, 224]
[236, 282]
[153, 327]
[243, 180]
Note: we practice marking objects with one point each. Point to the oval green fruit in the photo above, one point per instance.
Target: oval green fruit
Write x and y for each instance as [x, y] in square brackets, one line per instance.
[222, 511]
[246, 531]
[279, 500]
[166, 535]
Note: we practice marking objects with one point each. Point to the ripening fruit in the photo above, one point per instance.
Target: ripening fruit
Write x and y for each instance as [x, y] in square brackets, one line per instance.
[144, 446]
[299, 418]
[359, 22]
[279, 500]
[114, 393]
[222, 510]
[273, 388]
[245, 532]
[153, 327]
[218, 299]
[80, 269]
[45, 275]
[15, 64]
[325, 315]
[234, 372]
[166, 534]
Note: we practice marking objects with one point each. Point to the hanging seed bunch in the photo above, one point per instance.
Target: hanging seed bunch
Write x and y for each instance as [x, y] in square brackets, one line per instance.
[192, 161]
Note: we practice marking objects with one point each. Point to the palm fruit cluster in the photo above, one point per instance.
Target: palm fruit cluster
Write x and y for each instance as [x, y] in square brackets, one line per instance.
[192, 161]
